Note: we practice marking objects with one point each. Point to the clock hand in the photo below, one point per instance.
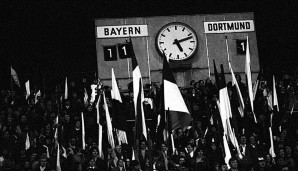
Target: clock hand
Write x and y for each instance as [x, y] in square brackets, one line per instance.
[184, 39]
[178, 44]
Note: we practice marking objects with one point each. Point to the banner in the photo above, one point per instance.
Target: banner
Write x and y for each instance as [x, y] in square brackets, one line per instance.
[229, 26]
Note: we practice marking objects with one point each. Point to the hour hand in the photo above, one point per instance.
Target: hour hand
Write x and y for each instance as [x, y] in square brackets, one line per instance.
[178, 44]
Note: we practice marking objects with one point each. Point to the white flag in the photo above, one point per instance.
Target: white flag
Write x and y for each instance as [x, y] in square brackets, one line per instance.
[66, 89]
[27, 144]
[15, 76]
[83, 131]
[27, 85]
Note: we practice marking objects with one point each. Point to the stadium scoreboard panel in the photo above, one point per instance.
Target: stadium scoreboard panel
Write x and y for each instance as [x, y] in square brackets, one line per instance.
[208, 35]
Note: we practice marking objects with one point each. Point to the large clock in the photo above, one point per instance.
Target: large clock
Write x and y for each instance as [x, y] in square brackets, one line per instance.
[177, 40]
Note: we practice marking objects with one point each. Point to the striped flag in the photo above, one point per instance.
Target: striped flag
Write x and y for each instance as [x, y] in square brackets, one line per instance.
[14, 76]
[173, 100]
[248, 78]
[138, 93]
[119, 118]
[235, 83]
[109, 123]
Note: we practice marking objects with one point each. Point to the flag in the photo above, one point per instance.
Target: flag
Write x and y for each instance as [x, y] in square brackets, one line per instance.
[226, 112]
[109, 123]
[27, 143]
[85, 97]
[100, 140]
[36, 95]
[14, 76]
[227, 155]
[83, 131]
[173, 100]
[58, 166]
[27, 85]
[119, 118]
[248, 78]
[271, 150]
[275, 100]
[138, 93]
[240, 98]
[66, 89]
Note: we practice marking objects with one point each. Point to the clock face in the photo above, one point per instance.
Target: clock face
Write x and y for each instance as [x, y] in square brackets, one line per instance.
[177, 40]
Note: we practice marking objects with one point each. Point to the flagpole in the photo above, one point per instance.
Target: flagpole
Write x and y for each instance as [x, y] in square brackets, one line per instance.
[227, 45]
[207, 51]
[148, 57]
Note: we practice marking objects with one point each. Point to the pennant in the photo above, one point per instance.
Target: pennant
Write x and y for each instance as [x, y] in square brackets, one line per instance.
[37, 95]
[27, 143]
[58, 166]
[109, 123]
[240, 98]
[27, 85]
[138, 92]
[83, 131]
[173, 100]
[66, 89]
[248, 78]
[14, 76]
[275, 100]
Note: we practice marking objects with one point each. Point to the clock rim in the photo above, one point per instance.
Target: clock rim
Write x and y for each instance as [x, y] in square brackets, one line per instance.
[177, 23]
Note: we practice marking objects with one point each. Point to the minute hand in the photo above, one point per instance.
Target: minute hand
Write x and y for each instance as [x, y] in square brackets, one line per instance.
[184, 39]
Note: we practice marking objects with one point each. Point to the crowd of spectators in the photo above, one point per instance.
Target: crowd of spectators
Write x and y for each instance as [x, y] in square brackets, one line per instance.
[197, 147]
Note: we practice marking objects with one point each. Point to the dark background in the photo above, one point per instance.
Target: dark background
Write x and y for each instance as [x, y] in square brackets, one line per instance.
[47, 40]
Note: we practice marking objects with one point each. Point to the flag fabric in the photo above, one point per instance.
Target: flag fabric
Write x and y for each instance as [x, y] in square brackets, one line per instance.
[109, 123]
[240, 98]
[83, 131]
[58, 166]
[275, 99]
[173, 100]
[14, 76]
[86, 98]
[227, 155]
[119, 118]
[271, 150]
[138, 93]
[36, 95]
[27, 85]
[66, 89]
[100, 140]
[226, 112]
[248, 78]
[27, 143]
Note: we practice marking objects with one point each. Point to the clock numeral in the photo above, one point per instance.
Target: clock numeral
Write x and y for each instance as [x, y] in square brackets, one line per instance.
[163, 35]
[189, 34]
[177, 56]
[175, 27]
[190, 48]
[183, 29]
[161, 42]
[192, 41]
[168, 30]
[170, 55]
[185, 54]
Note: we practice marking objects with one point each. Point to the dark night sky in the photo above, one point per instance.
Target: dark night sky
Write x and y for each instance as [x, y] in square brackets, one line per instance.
[52, 36]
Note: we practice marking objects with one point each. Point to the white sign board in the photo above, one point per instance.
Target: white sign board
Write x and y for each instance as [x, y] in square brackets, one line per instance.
[121, 31]
[229, 26]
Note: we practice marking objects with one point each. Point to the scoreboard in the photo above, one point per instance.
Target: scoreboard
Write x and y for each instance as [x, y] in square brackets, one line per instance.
[190, 41]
